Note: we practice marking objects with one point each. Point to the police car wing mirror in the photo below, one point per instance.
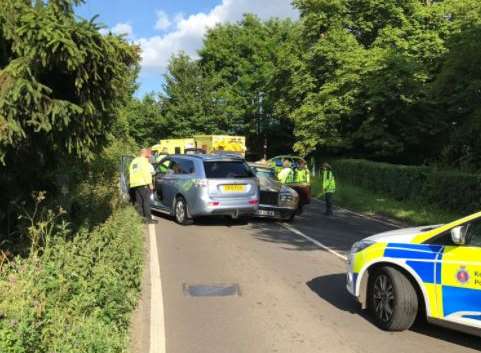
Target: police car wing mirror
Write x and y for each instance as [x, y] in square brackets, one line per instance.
[458, 235]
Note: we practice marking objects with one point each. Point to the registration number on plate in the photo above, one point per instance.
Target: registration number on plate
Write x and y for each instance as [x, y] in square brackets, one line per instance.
[233, 188]
[266, 213]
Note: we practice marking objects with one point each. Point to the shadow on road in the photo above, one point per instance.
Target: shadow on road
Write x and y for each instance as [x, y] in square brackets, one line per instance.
[212, 221]
[269, 231]
[331, 288]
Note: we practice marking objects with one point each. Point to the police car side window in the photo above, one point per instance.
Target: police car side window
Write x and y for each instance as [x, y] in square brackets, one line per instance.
[473, 234]
[441, 239]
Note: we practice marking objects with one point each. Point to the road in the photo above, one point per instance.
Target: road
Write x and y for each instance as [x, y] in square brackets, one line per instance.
[291, 294]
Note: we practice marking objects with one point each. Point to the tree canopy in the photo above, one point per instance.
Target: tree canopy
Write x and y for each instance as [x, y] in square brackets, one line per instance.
[381, 79]
[62, 85]
[61, 81]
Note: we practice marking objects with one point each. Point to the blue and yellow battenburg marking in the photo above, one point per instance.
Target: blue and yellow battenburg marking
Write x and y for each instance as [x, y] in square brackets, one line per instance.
[450, 276]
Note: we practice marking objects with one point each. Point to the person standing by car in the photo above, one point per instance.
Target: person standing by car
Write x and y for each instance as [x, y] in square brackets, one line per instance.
[140, 176]
[328, 187]
[286, 175]
[303, 176]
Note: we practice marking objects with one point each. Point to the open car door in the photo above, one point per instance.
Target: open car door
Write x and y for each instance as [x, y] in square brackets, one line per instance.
[124, 177]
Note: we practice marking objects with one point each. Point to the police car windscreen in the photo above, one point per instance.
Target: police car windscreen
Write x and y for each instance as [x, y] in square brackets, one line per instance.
[226, 170]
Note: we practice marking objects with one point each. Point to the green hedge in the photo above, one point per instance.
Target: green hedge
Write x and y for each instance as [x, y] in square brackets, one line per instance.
[455, 191]
[78, 294]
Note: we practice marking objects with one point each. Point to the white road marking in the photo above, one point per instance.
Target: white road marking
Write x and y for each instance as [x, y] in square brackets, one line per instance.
[314, 241]
[363, 215]
[157, 323]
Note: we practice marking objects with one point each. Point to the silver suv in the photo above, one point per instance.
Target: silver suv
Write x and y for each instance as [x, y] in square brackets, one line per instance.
[188, 186]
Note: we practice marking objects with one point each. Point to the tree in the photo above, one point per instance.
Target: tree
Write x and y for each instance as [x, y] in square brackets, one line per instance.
[61, 86]
[242, 58]
[190, 103]
[368, 64]
[144, 120]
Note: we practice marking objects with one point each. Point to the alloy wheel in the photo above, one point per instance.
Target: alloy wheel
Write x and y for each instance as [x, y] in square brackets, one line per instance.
[180, 211]
[383, 298]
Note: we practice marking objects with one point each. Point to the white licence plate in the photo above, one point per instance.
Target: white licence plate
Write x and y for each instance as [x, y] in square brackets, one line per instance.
[266, 213]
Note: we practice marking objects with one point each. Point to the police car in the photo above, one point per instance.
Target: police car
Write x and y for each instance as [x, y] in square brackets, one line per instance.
[433, 271]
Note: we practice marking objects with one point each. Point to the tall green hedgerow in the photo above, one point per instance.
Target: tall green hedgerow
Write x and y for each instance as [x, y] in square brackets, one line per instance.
[449, 190]
[77, 296]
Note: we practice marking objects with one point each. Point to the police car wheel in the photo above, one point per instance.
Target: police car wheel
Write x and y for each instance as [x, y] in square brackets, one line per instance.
[393, 301]
[181, 213]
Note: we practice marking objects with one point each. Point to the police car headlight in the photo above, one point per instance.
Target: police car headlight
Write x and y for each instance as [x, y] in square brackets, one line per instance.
[361, 245]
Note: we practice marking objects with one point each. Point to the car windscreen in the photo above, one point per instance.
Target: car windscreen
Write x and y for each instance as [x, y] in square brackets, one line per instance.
[227, 169]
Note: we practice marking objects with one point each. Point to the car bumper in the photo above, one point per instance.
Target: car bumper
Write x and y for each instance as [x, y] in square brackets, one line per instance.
[225, 207]
[351, 276]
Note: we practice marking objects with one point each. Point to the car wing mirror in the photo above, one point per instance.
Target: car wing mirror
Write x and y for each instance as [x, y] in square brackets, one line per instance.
[458, 235]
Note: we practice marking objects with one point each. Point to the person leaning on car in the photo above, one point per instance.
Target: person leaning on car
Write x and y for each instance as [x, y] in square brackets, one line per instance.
[140, 176]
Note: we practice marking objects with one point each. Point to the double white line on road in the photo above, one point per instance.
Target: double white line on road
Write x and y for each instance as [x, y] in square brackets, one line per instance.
[157, 323]
[314, 241]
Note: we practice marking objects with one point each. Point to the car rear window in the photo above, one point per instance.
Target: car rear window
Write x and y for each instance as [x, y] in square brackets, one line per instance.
[227, 169]
[266, 173]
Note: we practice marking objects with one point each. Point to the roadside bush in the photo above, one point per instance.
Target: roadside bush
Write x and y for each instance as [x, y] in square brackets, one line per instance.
[77, 295]
[455, 191]
[96, 191]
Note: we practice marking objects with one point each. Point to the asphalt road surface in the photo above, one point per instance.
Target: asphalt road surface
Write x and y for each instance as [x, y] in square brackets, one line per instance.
[290, 295]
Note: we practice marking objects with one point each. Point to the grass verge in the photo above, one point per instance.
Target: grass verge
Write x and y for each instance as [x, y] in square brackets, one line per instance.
[374, 204]
[75, 295]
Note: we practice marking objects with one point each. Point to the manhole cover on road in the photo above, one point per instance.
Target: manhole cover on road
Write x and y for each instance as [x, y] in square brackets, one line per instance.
[211, 290]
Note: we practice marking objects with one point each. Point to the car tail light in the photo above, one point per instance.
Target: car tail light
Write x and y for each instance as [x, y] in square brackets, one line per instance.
[253, 202]
[214, 203]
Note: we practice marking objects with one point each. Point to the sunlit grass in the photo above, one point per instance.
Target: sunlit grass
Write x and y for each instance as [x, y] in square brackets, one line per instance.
[369, 203]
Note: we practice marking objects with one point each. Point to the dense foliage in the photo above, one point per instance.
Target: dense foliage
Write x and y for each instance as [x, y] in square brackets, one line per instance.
[61, 87]
[388, 80]
[377, 72]
[448, 190]
[77, 296]
[231, 89]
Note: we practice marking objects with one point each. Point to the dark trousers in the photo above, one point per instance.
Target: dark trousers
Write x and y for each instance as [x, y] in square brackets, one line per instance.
[328, 199]
[142, 201]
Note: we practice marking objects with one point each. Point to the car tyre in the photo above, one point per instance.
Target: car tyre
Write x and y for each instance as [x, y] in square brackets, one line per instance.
[392, 300]
[181, 212]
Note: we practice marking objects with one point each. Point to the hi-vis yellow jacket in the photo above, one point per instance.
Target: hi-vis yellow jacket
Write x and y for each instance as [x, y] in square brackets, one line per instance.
[328, 182]
[140, 172]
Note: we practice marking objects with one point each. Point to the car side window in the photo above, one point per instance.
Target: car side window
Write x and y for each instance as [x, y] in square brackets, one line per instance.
[473, 234]
[186, 166]
[442, 239]
[175, 167]
[471, 229]
[163, 167]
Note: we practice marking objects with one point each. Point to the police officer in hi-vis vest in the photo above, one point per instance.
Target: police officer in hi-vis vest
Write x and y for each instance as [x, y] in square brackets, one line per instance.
[328, 187]
[140, 177]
